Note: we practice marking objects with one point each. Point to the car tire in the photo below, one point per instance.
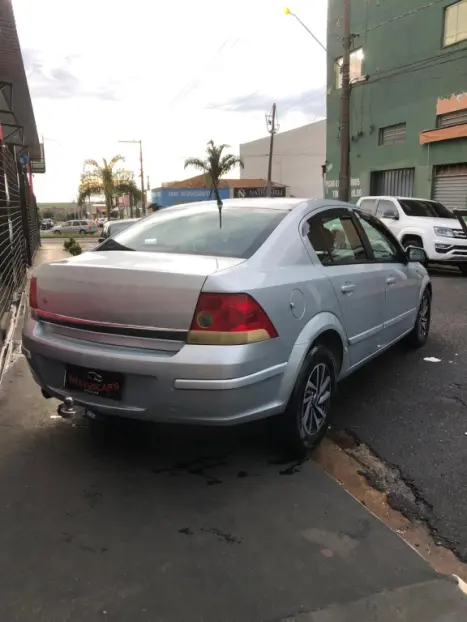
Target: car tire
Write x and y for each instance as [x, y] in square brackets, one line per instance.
[57, 231]
[306, 419]
[82, 232]
[463, 268]
[412, 242]
[417, 338]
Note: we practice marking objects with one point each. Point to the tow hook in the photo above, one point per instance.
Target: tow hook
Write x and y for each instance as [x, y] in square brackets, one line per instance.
[67, 409]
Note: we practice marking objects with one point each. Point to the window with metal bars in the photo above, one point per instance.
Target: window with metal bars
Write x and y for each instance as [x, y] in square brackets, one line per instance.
[392, 134]
[459, 117]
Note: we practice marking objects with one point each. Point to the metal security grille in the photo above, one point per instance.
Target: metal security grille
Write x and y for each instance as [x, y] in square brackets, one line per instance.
[398, 182]
[450, 186]
[452, 118]
[19, 230]
[392, 134]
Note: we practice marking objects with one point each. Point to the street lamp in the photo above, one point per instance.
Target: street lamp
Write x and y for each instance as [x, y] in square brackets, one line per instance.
[143, 192]
[287, 11]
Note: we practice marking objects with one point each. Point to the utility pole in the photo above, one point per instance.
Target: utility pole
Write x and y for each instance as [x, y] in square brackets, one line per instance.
[143, 190]
[344, 169]
[272, 129]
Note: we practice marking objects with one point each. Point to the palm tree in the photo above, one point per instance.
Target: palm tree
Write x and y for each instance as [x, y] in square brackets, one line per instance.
[214, 166]
[107, 180]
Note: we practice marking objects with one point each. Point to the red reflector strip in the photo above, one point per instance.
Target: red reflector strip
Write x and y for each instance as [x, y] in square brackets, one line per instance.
[33, 293]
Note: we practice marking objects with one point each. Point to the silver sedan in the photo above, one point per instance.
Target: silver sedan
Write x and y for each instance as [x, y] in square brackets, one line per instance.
[195, 315]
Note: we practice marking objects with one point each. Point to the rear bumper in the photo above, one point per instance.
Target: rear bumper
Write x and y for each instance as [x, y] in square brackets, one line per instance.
[208, 385]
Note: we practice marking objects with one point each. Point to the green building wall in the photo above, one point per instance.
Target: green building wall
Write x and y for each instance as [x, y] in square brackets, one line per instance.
[408, 70]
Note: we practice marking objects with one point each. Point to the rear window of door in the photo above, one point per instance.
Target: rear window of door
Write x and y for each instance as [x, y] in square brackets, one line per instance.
[368, 205]
[386, 209]
[335, 238]
[75, 223]
[236, 232]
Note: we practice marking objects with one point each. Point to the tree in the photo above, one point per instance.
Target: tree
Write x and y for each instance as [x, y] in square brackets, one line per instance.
[108, 180]
[215, 165]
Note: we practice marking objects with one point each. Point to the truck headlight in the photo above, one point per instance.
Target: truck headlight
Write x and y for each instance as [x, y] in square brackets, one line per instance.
[444, 232]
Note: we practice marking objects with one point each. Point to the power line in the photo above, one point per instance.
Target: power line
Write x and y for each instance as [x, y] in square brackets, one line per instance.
[190, 86]
[377, 77]
[423, 62]
[397, 17]
[308, 100]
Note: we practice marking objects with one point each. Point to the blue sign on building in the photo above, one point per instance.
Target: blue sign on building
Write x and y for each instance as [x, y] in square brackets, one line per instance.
[165, 197]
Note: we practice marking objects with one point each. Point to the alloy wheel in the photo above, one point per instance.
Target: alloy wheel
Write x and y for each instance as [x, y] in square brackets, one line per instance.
[316, 400]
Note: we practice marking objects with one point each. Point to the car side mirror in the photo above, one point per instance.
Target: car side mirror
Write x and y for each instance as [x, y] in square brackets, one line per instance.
[391, 215]
[416, 255]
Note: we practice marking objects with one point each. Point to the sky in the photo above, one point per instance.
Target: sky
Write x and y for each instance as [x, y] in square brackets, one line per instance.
[173, 74]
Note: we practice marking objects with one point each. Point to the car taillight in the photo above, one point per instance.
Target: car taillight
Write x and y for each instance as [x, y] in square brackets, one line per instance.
[33, 294]
[229, 319]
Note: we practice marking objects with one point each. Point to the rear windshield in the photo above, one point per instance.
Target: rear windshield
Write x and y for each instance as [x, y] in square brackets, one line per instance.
[431, 209]
[200, 231]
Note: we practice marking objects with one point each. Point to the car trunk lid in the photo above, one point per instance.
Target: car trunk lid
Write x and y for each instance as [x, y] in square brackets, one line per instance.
[121, 290]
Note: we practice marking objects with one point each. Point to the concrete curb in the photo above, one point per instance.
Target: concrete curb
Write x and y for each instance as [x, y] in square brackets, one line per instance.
[15, 314]
[439, 600]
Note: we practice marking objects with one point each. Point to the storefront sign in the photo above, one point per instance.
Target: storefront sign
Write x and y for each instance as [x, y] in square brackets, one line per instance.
[332, 188]
[250, 193]
[166, 197]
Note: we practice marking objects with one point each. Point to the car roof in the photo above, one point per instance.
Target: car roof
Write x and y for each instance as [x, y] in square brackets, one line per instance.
[393, 196]
[280, 204]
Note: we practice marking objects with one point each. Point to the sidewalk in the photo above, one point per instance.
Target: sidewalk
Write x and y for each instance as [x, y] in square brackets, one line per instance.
[154, 524]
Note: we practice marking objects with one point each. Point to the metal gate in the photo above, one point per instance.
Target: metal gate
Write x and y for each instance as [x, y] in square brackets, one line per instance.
[398, 182]
[450, 186]
[19, 229]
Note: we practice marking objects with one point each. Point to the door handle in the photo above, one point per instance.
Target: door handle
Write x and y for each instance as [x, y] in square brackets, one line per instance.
[391, 280]
[348, 288]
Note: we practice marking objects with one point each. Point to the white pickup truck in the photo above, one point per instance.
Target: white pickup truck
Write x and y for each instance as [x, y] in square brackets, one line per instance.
[425, 223]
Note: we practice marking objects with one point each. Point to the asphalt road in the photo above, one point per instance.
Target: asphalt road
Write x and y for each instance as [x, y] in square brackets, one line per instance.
[146, 523]
[413, 413]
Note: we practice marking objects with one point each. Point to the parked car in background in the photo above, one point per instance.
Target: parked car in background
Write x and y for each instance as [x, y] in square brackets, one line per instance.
[46, 224]
[423, 223]
[186, 318]
[111, 227]
[82, 227]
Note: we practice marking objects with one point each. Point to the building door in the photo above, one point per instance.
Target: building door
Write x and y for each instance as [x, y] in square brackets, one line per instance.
[450, 185]
[398, 182]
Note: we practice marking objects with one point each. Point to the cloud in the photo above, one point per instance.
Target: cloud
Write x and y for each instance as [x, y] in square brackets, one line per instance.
[59, 82]
[311, 103]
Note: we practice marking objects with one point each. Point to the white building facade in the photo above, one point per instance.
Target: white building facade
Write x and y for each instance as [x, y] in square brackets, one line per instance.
[298, 160]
